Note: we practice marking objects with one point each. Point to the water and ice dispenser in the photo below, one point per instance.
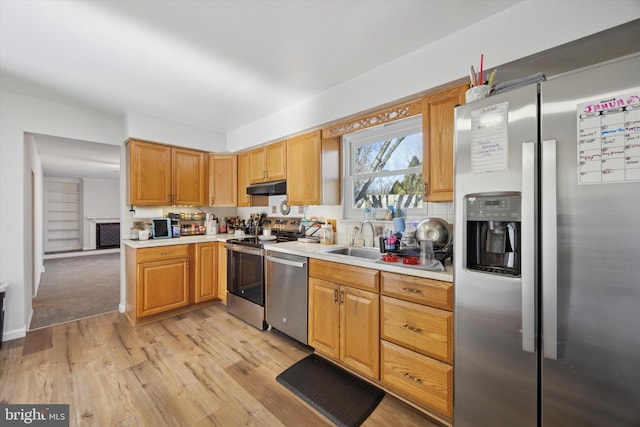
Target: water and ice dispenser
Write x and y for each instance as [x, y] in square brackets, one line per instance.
[493, 233]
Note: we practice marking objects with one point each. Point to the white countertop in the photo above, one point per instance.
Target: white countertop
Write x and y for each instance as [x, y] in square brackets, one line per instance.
[314, 250]
[182, 240]
[311, 250]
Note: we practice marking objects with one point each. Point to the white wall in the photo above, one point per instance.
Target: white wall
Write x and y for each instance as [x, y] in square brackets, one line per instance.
[20, 114]
[154, 129]
[35, 262]
[522, 30]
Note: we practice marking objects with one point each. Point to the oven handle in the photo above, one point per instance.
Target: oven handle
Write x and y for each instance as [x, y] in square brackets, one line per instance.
[285, 261]
[245, 249]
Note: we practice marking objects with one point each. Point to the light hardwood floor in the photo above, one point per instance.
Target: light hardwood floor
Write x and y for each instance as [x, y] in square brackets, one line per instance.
[203, 368]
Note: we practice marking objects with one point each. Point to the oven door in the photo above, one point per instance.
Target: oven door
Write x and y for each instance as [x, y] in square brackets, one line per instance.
[245, 273]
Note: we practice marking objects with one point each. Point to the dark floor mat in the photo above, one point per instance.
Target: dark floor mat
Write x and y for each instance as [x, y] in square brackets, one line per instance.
[340, 396]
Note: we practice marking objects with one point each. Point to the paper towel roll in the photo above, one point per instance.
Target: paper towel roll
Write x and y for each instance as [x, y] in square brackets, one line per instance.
[147, 212]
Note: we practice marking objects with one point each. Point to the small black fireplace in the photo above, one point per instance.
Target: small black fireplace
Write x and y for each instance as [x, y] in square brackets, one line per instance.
[108, 235]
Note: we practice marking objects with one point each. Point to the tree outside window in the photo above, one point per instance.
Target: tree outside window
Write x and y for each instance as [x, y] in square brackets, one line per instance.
[385, 166]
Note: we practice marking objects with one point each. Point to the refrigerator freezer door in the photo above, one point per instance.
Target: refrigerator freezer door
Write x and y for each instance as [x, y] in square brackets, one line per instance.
[595, 380]
[495, 381]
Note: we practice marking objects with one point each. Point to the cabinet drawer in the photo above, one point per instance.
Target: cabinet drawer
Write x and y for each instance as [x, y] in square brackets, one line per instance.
[344, 274]
[417, 289]
[418, 377]
[418, 327]
[162, 252]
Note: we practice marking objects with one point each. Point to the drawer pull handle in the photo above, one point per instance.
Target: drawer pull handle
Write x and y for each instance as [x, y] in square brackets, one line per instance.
[413, 290]
[412, 378]
[165, 253]
[411, 328]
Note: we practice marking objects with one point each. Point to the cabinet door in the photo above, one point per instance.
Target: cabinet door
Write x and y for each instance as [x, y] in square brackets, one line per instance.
[162, 286]
[437, 127]
[360, 330]
[149, 174]
[223, 180]
[222, 272]
[244, 179]
[257, 165]
[276, 161]
[205, 275]
[304, 175]
[188, 177]
[324, 317]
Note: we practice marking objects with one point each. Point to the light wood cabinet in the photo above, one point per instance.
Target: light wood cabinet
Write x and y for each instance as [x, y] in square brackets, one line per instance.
[437, 125]
[416, 340]
[222, 272]
[204, 274]
[268, 163]
[223, 180]
[343, 320]
[161, 175]
[149, 173]
[313, 170]
[435, 293]
[158, 280]
[344, 274]
[244, 179]
[420, 378]
[418, 327]
[188, 177]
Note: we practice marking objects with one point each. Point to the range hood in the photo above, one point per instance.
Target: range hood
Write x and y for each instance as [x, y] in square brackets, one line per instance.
[275, 188]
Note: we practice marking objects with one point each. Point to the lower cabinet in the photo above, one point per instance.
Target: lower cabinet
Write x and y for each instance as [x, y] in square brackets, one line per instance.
[418, 377]
[204, 275]
[161, 277]
[166, 280]
[395, 329]
[344, 321]
[222, 272]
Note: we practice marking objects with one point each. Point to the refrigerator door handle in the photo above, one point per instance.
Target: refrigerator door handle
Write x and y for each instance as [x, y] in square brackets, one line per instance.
[528, 278]
[549, 243]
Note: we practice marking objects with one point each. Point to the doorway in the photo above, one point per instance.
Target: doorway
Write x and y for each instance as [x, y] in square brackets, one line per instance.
[79, 186]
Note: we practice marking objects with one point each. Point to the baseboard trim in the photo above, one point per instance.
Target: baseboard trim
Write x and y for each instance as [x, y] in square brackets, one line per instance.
[14, 334]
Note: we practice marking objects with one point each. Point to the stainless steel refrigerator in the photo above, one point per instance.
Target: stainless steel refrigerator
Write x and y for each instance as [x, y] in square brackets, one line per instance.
[547, 253]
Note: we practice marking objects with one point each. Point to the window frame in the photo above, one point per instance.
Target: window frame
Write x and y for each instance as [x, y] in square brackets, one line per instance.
[406, 126]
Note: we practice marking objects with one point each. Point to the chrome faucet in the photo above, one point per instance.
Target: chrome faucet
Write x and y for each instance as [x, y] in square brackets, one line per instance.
[373, 233]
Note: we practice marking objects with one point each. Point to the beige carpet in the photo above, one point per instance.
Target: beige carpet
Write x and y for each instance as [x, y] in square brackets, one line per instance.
[77, 287]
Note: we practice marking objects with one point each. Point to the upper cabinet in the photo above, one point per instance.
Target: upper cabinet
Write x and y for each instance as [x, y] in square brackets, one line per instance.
[244, 179]
[268, 163]
[437, 125]
[223, 182]
[313, 170]
[161, 175]
[189, 174]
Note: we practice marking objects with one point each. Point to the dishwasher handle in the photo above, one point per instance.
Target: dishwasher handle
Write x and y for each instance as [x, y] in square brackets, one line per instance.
[285, 261]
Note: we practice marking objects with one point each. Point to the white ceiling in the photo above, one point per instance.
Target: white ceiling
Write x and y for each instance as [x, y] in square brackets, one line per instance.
[65, 157]
[216, 65]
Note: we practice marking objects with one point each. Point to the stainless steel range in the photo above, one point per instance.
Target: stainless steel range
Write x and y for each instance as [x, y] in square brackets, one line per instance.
[246, 268]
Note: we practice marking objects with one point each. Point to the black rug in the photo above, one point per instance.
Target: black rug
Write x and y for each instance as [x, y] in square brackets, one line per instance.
[343, 398]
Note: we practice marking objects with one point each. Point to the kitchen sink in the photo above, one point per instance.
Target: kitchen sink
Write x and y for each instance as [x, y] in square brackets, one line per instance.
[367, 253]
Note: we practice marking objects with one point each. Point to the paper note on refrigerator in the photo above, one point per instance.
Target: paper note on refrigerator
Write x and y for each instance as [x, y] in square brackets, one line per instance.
[609, 139]
[489, 144]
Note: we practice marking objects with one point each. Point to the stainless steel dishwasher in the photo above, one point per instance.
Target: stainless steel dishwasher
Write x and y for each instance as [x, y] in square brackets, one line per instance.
[286, 292]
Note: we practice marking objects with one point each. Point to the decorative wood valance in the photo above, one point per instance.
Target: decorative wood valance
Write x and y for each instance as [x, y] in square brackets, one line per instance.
[397, 112]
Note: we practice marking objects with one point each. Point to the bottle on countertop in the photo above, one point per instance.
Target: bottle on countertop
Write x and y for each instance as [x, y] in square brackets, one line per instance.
[326, 234]
[368, 209]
